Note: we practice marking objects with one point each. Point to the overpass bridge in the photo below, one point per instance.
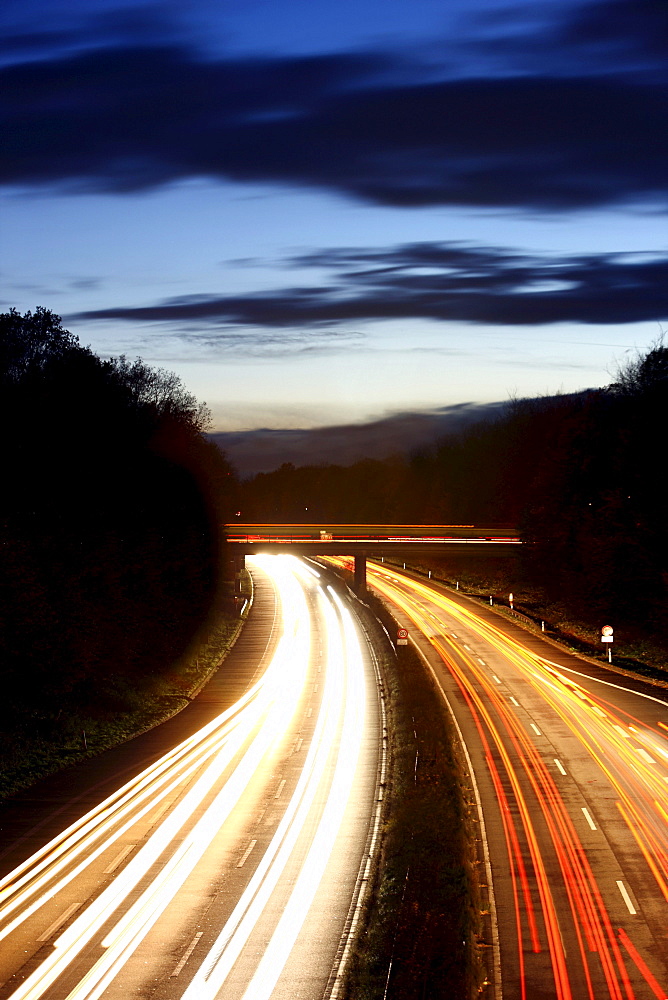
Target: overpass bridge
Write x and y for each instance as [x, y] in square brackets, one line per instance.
[364, 540]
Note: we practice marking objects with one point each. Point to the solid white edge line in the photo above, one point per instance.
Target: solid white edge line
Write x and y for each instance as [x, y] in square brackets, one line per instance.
[598, 680]
[362, 887]
[625, 896]
[496, 964]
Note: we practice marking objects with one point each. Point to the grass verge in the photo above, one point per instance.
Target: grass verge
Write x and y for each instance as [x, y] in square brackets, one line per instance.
[420, 935]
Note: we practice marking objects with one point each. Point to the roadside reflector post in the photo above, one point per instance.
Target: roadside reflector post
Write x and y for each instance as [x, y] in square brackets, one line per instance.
[510, 601]
[542, 626]
[490, 600]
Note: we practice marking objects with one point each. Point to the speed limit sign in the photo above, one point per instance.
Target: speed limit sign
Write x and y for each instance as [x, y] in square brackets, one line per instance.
[402, 637]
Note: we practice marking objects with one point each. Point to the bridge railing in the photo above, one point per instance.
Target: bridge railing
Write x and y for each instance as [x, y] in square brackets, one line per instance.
[362, 540]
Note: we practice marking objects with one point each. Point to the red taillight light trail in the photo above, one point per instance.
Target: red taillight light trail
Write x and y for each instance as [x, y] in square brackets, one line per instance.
[529, 800]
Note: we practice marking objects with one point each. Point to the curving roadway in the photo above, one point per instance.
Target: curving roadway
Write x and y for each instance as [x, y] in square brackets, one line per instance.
[229, 866]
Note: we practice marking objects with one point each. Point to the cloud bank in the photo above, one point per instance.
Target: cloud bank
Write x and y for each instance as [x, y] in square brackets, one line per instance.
[574, 118]
[435, 281]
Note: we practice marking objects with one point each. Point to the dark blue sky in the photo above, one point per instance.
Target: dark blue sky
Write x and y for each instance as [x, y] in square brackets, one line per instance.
[324, 211]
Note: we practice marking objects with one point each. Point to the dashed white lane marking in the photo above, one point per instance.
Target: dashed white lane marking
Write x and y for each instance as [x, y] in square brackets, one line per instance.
[117, 860]
[315, 688]
[481, 662]
[514, 701]
[588, 818]
[467, 647]
[559, 765]
[644, 755]
[246, 853]
[188, 952]
[535, 729]
[52, 928]
[627, 899]
[298, 745]
[156, 815]
[627, 736]
[309, 713]
[494, 677]
[454, 635]
[280, 789]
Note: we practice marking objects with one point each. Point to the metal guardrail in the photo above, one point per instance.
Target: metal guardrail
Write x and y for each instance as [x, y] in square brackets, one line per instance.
[525, 618]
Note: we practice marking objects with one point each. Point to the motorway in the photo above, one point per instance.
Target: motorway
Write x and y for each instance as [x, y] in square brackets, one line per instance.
[231, 864]
[570, 767]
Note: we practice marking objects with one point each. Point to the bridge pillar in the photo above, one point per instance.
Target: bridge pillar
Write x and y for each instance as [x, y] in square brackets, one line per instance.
[239, 563]
[360, 574]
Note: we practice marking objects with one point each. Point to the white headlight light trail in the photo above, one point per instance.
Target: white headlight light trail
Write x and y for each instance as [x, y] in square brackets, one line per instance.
[150, 787]
[136, 804]
[340, 723]
[273, 706]
[226, 949]
[287, 930]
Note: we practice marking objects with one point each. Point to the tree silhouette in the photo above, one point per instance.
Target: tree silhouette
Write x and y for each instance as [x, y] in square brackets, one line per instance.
[109, 521]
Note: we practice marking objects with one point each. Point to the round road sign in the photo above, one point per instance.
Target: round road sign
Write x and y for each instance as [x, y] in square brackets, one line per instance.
[607, 630]
[402, 633]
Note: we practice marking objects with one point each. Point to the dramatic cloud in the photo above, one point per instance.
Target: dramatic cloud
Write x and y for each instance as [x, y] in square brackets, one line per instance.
[437, 281]
[538, 134]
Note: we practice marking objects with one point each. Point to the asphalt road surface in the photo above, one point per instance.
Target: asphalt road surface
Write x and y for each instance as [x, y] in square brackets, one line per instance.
[229, 864]
[570, 764]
